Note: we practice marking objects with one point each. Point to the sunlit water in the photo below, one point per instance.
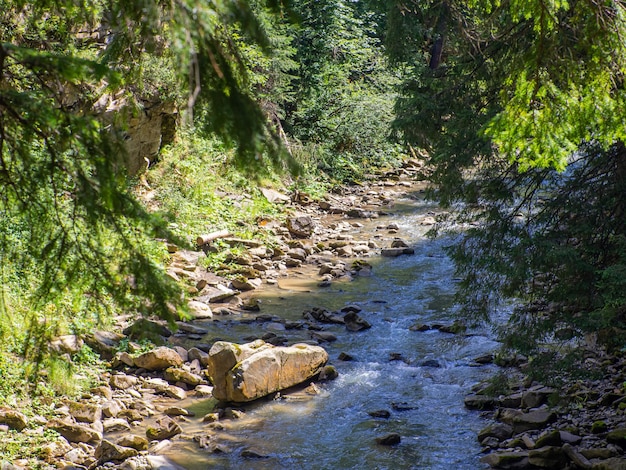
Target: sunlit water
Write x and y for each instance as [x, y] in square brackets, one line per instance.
[333, 430]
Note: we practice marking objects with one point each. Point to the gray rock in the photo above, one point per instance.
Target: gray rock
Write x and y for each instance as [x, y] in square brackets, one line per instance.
[547, 457]
[538, 419]
[354, 322]
[507, 460]
[500, 431]
[301, 226]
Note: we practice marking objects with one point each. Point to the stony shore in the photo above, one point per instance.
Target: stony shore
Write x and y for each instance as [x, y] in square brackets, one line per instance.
[142, 404]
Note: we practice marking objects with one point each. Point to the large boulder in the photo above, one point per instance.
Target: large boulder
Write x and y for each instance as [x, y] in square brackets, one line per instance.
[159, 359]
[242, 373]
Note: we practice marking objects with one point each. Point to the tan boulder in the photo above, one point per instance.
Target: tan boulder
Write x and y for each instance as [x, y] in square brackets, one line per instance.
[158, 359]
[242, 373]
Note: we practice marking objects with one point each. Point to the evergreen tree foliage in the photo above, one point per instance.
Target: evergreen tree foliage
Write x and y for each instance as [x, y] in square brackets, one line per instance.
[343, 91]
[73, 236]
[521, 108]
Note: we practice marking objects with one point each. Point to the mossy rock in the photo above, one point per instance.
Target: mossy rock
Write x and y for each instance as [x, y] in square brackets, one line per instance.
[598, 427]
[617, 436]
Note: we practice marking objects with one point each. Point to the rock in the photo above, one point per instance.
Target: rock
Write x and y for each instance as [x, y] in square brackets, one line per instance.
[297, 253]
[115, 425]
[480, 402]
[111, 408]
[66, 344]
[547, 457]
[429, 363]
[379, 414]
[362, 214]
[123, 381]
[199, 310]
[576, 457]
[390, 439]
[500, 431]
[217, 293]
[104, 342]
[536, 398]
[85, 412]
[252, 454]
[394, 252]
[122, 359]
[323, 336]
[507, 460]
[617, 436]
[158, 359]
[74, 432]
[177, 374]
[302, 226]
[538, 419]
[419, 327]
[144, 328]
[164, 428]
[204, 390]
[354, 322]
[328, 372]
[242, 373]
[134, 442]
[177, 411]
[243, 284]
[615, 463]
[109, 452]
[398, 243]
[13, 418]
[551, 438]
[195, 353]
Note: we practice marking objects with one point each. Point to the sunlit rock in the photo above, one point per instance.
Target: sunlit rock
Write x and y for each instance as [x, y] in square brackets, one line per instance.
[242, 373]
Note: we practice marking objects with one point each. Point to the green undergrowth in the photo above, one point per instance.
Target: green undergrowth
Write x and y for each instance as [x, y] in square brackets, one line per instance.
[195, 185]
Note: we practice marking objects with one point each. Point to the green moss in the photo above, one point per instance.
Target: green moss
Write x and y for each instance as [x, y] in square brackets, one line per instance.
[598, 427]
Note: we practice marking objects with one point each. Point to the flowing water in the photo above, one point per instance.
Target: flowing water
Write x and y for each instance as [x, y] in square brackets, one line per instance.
[333, 430]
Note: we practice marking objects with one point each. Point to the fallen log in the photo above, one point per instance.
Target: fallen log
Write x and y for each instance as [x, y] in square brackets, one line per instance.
[209, 237]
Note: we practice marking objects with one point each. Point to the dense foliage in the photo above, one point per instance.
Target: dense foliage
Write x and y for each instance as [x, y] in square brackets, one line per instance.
[261, 86]
[520, 105]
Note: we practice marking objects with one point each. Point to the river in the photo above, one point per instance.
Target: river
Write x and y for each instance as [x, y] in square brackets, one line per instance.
[334, 430]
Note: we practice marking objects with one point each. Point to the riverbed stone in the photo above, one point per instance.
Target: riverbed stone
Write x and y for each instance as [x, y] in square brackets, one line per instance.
[13, 418]
[390, 439]
[159, 359]
[242, 373]
[85, 412]
[110, 452]
[164, 428]
[123, 381]
[199, 310]
[179, 374]
[354, 322]
[500, 431]
[537, 419]
[547, 457]
[74, 432]
[301, 226]
[507, 460]
[133, 441]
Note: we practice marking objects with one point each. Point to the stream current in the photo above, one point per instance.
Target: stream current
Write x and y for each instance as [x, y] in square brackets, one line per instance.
[423, 389]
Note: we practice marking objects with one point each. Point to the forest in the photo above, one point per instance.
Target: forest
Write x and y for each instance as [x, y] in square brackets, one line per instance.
[516, 111]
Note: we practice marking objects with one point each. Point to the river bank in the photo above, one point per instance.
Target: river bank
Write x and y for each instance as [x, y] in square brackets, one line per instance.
[401, 384]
